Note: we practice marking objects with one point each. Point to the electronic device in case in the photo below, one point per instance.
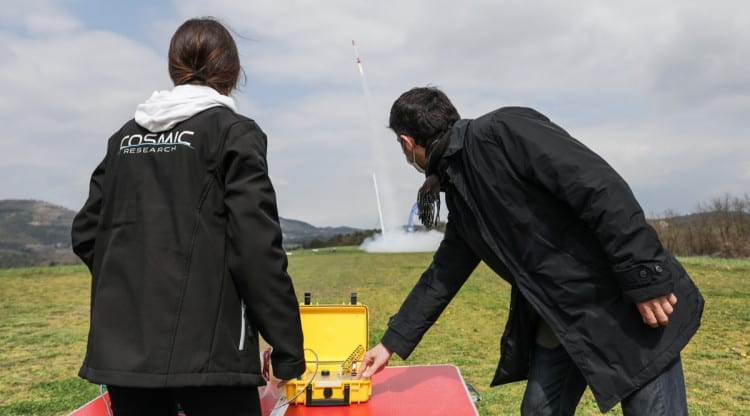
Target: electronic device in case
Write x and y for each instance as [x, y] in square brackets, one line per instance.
[335, 342]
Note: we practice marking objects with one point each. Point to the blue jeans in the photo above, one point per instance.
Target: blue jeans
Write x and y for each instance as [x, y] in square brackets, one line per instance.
[556, 385]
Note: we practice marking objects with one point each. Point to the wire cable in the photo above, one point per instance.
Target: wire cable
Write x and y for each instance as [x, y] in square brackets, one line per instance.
[308, 384]
[106, 404]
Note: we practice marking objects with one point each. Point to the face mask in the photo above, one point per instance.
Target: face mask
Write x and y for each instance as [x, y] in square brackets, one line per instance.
[413, 160]
[418, 168]
[414, 163]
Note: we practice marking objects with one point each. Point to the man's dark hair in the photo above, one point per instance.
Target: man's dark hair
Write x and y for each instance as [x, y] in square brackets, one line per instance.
[423, 113]
[202, 51]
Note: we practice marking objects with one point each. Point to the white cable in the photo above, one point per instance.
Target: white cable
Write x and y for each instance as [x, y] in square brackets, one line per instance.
[309, 382]
[107, 405]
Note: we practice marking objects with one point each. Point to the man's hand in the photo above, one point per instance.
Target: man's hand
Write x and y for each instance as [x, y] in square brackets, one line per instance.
[374, 360]
[656, 311]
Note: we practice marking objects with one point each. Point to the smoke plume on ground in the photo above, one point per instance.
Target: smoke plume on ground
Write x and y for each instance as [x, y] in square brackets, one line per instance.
[399, 241]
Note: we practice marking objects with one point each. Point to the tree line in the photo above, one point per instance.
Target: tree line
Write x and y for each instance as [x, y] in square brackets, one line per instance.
[719, 228]
[338, 240]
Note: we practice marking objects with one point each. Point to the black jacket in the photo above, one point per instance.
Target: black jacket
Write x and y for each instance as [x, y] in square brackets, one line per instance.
[182, 237]
[556, 221]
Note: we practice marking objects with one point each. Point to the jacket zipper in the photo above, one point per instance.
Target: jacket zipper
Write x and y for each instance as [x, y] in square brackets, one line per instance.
[242, 328]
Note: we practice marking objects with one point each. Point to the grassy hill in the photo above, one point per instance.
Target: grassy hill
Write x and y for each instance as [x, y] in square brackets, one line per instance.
[37, 233]
[297, 233]
[34, 233]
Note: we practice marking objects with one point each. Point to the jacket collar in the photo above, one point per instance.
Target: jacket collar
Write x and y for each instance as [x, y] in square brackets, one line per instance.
[458, 134]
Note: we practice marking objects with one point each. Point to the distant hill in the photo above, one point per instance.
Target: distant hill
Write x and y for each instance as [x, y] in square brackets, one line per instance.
[37, 233]
[298, 233]
[34, 233]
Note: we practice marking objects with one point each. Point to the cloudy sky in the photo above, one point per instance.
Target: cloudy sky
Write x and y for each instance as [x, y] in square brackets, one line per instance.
[659, 89]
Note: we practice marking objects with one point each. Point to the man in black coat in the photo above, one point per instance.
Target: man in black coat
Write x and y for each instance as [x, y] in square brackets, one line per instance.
[594, 298]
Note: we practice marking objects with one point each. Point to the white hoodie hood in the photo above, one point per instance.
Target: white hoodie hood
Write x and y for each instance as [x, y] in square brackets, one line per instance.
[164, 109]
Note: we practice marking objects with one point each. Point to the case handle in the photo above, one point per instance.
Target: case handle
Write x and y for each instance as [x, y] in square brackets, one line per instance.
[327, 391]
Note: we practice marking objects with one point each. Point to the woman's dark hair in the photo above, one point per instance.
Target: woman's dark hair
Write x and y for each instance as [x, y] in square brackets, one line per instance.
[423, 113]
[203, 51]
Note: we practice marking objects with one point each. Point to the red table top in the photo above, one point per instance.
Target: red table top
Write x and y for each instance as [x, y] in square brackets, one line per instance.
[437, 390]
[429, 390]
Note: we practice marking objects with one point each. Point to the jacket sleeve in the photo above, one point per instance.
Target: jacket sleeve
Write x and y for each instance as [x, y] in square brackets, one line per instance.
[581, 179]
[256, 259]
[86, 221]
[452, 264]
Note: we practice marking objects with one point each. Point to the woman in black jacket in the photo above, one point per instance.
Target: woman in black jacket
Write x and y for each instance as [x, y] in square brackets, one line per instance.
[182, 237]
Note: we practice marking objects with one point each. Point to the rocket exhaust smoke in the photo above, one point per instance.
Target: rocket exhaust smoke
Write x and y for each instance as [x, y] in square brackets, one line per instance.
[399, 241]
[393, 237]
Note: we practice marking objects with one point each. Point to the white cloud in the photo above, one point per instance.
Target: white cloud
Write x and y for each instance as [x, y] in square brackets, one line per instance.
[42, 24]
[38, 17]
[659, 89]
[67, 93]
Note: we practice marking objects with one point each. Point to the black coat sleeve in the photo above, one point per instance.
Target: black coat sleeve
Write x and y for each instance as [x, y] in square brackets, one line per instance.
[548, 156]
[452, 264]
[86, 221]
[256, 258]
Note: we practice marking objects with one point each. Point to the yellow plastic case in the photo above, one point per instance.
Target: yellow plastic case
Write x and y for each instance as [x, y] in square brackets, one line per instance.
[338, 336]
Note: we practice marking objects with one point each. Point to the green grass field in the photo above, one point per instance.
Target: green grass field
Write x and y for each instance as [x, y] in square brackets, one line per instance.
[44, 320]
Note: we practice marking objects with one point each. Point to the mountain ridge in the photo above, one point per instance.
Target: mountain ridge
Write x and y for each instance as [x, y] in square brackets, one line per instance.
[37, 233]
